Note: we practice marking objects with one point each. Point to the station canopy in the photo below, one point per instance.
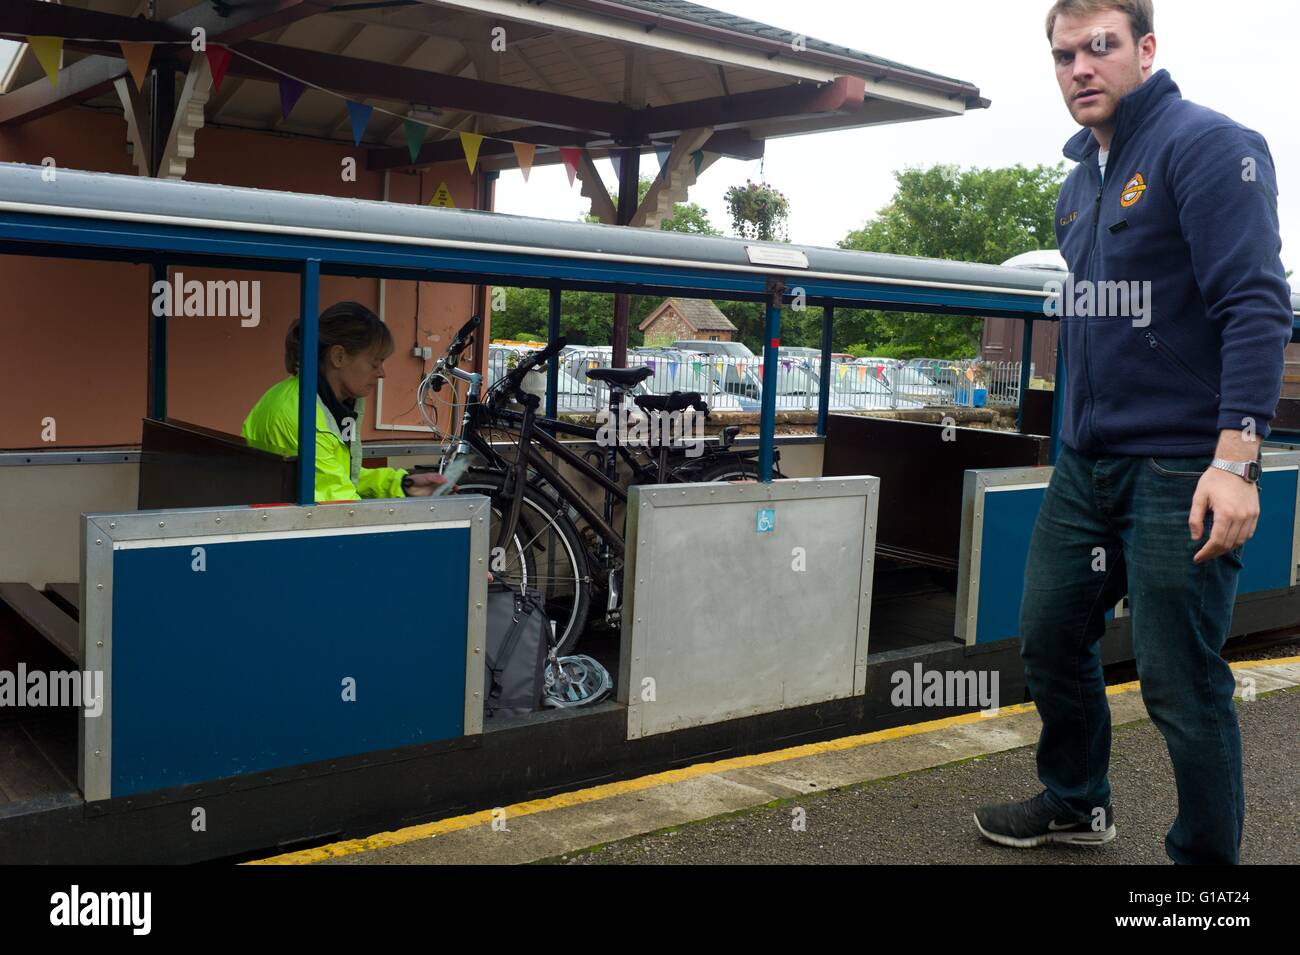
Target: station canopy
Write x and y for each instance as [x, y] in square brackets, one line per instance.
[682, 80]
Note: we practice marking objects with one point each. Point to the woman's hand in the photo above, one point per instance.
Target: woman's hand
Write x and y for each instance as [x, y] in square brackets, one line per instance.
[422, 484]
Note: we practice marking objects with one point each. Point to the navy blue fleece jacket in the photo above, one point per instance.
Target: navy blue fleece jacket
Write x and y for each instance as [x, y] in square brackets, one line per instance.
[1189, 204]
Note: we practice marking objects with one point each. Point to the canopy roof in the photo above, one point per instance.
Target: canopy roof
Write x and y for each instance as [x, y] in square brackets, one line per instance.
[590, 73]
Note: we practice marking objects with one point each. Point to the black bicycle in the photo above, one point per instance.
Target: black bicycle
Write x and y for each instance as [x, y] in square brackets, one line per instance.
[546, 533]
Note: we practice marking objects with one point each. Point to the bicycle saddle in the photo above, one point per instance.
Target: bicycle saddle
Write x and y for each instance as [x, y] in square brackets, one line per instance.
[677, 401]
[622, 377]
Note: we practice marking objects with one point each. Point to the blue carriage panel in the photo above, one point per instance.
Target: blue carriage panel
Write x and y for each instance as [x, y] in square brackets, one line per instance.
[1009, 515]
[283, 649]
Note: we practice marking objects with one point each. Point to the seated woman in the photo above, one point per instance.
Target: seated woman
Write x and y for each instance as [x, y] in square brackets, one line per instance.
[353, 346]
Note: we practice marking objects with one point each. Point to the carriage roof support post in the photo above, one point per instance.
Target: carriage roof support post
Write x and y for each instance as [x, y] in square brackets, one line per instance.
[1058, 399]
[158, 341]
[771, 345]
[629, 187]
[553, 366]
[1026, 356]
[307, 371]
[824, 390]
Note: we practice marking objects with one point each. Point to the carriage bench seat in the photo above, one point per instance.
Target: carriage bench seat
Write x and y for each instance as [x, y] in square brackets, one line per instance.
[47, 615]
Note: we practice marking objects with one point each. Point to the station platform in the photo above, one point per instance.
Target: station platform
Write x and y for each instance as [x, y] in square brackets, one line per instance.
[902, 796]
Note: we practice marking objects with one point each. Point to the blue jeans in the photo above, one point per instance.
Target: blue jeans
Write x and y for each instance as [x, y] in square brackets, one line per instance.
[1111, 525]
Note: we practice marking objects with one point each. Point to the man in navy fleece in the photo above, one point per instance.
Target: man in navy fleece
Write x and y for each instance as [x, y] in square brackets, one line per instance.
[1163, 409]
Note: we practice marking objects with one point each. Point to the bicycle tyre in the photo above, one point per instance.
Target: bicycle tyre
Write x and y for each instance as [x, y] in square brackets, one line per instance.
[739, 469]
[540, 509]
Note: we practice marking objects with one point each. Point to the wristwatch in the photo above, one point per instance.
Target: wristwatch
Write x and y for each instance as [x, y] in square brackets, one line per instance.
[1247, 470]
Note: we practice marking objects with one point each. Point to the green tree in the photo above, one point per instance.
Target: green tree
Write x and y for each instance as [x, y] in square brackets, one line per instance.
[974, 215]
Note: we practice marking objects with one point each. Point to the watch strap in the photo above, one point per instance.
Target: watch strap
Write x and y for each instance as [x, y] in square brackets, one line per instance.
[1246, 470]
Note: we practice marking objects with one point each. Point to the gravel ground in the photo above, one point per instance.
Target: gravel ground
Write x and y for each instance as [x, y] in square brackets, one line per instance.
[925, 817]
[1276, 652]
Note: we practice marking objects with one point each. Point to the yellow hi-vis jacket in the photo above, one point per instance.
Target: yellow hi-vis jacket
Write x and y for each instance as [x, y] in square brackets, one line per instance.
[272, 425]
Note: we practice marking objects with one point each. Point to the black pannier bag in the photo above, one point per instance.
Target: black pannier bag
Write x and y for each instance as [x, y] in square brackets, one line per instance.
[518, 638]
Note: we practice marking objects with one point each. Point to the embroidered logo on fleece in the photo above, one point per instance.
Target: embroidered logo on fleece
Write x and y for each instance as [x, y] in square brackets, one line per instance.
[1133, 190]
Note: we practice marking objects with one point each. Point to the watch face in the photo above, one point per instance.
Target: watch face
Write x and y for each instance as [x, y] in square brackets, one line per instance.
[1252, 470]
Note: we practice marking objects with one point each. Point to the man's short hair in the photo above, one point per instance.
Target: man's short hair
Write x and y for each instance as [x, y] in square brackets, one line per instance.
[1141, 14]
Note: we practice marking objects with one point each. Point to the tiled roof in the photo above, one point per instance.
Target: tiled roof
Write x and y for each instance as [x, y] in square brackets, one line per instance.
[729, 21]
[702, 314]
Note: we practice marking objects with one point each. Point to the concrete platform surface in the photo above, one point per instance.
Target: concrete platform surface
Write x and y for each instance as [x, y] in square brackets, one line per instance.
[903, 795]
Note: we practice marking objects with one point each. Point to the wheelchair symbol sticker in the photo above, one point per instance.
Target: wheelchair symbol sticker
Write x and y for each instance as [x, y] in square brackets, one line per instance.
[765, 522]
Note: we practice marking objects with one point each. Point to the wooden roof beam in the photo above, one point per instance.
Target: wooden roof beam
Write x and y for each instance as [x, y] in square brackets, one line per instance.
[94, 75]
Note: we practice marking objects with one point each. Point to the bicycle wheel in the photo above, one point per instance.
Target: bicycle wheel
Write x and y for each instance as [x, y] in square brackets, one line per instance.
[736, 469]
[545, 553]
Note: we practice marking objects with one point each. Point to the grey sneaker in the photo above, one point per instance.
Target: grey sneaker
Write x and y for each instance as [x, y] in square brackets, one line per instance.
[1034, 823]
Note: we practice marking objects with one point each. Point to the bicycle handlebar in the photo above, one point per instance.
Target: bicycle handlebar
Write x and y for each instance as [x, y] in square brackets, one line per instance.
[461, 340]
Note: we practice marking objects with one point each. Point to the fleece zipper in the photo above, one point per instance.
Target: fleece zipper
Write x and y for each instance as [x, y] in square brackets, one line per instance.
[1161, 348]
[1092, 268]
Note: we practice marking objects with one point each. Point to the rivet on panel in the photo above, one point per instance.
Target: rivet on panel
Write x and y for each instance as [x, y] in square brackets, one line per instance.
[218, 520]
[352, 513]
[162, 523]
[112, 525]
[98, 542]
[99, 586]
[99, 643]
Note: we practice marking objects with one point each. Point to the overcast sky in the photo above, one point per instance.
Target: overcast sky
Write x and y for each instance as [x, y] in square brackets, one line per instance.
[1230, 57]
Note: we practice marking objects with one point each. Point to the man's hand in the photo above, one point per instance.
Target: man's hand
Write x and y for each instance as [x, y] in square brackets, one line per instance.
[422, 484]
[1232, 500]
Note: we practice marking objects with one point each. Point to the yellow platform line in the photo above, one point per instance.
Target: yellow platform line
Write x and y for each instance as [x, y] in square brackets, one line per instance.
[592, 794]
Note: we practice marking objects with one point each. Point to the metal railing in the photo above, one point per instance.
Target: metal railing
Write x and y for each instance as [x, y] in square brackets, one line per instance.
[735, 383]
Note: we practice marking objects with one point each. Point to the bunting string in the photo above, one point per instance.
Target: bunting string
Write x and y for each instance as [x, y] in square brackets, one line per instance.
[137, 54]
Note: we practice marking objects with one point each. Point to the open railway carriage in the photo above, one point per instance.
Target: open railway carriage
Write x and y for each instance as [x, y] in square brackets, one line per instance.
[225, 666]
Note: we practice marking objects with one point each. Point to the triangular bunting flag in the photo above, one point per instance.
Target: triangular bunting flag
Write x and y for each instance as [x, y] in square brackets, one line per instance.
[137, 60]
[470, 142]
[360, 115]
[524, 153]
[414, 138]
[663, 152]
[650, 363]
[218, 63]
[698, 157]
[290, 90]
[571, 156]
[49, 53]
[844, 370]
